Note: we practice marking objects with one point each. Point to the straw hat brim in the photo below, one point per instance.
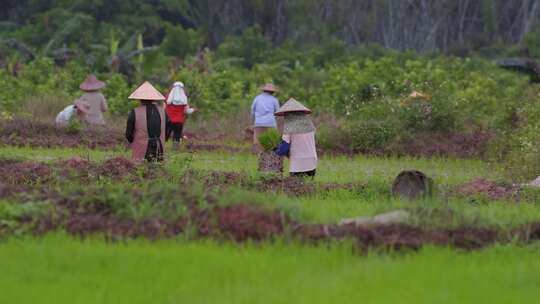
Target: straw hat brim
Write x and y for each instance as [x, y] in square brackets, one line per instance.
[282, 113]
[92, 86]
[269, 88]
[91, 83]
[292, 106]
[146, 92]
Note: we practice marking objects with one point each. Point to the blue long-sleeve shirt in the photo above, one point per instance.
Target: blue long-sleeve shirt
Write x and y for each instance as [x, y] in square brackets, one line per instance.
[262, 110]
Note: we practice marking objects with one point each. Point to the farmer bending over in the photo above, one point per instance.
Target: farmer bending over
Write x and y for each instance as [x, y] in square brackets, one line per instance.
[78, 110]
[298, 139]
[92, 95]
[262, 110]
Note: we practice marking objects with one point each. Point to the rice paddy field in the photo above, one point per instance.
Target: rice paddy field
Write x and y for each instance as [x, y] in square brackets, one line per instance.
[60, 269]
[80, 225]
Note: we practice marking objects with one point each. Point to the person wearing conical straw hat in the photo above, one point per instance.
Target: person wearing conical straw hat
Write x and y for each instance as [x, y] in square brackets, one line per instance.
[177, 107]
[91, 87]
[146, 123]
[262, 111]
[298, 141]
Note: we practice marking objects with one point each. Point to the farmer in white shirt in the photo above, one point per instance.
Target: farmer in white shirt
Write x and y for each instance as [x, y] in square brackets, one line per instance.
[77, 110]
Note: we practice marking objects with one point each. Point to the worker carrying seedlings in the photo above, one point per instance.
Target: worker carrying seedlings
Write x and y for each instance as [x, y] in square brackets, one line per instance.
[298, 140]
[78, 110]
[177, 107]
[262, 111]
[146, 123]
[97, 102]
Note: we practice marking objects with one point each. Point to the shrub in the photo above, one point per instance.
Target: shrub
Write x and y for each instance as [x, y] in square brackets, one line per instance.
[252, 47]
[331, 138]
[117, 92]
[368, 135]
[180, 42]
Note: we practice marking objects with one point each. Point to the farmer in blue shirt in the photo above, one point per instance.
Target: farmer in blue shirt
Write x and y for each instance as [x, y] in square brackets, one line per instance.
[262, 110]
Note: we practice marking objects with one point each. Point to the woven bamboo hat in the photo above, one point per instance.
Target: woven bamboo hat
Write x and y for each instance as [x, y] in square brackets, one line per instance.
[269, 88]
[91, 83]
[292, 105]
[146, 92]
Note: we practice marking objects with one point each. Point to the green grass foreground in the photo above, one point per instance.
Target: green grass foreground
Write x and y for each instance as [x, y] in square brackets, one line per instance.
[58, 269]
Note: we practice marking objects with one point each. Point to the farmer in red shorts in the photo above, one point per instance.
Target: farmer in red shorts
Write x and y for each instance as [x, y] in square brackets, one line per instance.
[177, 107]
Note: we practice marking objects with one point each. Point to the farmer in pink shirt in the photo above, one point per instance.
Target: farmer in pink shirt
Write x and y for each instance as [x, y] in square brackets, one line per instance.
[298, 139]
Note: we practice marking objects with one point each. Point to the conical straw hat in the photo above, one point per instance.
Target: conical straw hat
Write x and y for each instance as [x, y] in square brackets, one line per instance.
[91, 83]
[146, 92]
[269, 87]
[292, 105]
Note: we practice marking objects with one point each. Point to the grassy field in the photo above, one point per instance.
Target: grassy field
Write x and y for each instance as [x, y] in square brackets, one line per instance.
[61, 269]
[339, 169]
[57, 269]
[374, 174]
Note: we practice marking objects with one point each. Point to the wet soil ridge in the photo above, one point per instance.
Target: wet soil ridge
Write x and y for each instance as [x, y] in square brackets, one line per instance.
[250, 222]
[20, 173]
[23, 133]
[292, 186]
[490, 189]
[467, 145]
[16, 172]
[26, 173]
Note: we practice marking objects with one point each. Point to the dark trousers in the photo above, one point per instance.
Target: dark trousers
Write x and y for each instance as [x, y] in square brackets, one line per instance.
[176, 130]
[154, 151]
[305, 174]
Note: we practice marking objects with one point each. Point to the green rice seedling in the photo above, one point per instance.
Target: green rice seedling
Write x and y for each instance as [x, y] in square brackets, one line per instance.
[270, 139]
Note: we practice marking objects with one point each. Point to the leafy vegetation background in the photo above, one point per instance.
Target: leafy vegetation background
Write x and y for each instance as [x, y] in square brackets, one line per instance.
[345, 61]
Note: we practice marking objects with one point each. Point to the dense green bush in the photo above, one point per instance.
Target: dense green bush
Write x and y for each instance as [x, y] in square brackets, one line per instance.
[180, 42]
[251, 47]
[116, 92]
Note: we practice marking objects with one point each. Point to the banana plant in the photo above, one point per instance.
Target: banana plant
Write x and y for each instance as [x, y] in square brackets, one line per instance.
[122, 58]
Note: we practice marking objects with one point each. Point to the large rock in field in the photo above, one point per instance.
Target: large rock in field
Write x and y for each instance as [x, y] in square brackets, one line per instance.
[412, 185]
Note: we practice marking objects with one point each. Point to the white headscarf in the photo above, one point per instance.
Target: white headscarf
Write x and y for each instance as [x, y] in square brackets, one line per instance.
[177, 96]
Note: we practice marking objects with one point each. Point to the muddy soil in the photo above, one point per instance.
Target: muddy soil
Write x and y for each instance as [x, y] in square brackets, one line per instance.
[24, 133]
[194, 146]
[21, 173]
[81, 215]
[488, 188]
[245, 222]
[455, 145]
[292, 186]
[28, 173]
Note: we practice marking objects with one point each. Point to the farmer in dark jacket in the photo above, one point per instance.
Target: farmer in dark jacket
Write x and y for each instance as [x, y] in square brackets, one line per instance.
[145, 129]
